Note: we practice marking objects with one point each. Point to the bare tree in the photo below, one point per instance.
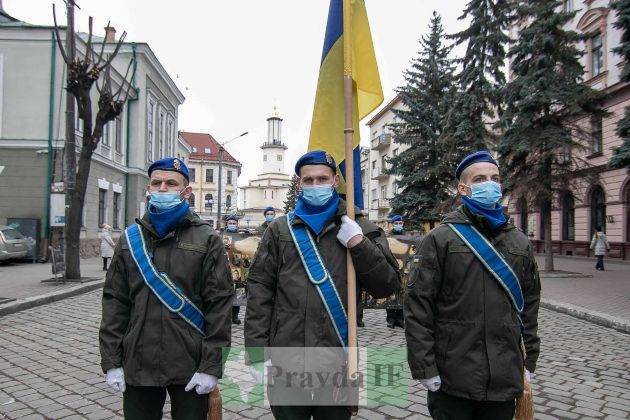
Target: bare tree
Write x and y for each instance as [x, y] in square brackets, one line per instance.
[82, 74]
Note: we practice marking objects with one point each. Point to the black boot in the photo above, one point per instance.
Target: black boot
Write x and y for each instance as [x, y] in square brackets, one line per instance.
[391, 323]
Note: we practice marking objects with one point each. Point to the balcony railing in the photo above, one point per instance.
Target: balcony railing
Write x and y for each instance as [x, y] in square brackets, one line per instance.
[379, 173]
[380, 203]
[382, 141]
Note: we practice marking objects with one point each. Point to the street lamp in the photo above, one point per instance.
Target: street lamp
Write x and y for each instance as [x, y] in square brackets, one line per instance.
[220, 188]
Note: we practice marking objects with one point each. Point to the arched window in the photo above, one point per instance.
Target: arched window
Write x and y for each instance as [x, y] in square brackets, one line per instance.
[522, 209]
[228, 201]
[598, 209]
[208, 201]
[191, 200]
[568, 217]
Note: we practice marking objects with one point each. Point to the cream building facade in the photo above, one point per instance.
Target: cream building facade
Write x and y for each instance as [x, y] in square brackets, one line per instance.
[380, 187]
[203, 165]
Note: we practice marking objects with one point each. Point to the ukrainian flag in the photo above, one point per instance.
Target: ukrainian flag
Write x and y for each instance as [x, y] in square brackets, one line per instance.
[359, 60]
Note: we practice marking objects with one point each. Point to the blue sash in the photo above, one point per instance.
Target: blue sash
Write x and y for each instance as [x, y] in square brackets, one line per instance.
[493, 261]
[169, 294]
[319, 276]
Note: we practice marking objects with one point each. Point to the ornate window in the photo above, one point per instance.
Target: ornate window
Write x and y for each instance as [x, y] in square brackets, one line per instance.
[150, 114]
[597, 135]
[568, 217]
[593, 25]
[191, 200]
[567, 6]
[597, 55]
[208, 201]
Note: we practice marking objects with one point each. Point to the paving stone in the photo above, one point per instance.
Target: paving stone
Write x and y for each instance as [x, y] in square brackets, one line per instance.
[394, 411]
[565, 414]
[587, 412]
[581, 367]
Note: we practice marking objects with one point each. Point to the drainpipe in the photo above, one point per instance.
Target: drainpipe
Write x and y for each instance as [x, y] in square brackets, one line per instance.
[135, 89]
[51, 110]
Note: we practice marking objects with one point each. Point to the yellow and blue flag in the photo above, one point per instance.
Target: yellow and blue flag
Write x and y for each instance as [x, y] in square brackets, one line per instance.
[327, 126]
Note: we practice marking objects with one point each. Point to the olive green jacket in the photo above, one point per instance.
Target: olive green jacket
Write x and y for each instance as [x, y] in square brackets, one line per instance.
[155, 347]
[459, 321]
[284, 309]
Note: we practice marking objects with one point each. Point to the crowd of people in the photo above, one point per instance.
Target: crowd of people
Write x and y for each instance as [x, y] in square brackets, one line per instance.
[469, 311]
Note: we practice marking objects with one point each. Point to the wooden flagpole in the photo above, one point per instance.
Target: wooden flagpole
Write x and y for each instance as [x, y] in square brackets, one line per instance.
[348, 136]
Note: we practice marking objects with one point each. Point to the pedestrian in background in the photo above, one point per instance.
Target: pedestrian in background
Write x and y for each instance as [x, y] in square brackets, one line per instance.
[600, 245]
[107, 244]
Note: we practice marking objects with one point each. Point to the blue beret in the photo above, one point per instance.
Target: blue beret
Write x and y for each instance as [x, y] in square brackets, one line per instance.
[397, 218]
[481, 156]
[231, 217]
[315, 157]
[269, 209]
[170, 164]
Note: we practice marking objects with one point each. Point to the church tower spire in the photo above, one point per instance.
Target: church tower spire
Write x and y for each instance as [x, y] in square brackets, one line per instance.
[273, 148]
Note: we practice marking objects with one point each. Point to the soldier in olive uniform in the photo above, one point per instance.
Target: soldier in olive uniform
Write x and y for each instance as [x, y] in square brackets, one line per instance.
[231, 230]
[394, 307]
[284, 307]
[463, 325]
[270, 214]
[146, 348]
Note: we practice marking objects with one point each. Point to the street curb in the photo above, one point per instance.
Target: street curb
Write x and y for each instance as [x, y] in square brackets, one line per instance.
[32, 302]
[599, 318]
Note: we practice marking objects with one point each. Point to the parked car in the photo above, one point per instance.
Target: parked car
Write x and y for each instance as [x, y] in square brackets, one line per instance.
[12, 244]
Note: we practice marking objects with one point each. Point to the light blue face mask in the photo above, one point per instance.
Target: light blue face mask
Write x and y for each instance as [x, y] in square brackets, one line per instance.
[164, 200]
[486, 194]
[317, 195]
[269, 218]
[232, 228]
[398, 228]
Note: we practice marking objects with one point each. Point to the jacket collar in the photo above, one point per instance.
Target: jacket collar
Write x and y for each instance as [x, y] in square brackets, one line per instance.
[145, 222]
[463, 215]
[336, 219]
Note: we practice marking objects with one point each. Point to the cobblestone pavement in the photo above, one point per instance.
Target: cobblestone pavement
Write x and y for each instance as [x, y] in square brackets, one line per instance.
[22, 280]
[49, 367]
[607, 291]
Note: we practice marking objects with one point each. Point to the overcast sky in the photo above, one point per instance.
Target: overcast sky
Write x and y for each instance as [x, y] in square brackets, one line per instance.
[235, 59]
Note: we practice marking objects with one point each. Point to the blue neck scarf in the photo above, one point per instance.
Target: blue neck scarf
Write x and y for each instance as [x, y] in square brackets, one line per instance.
[316, 217]
[163, 222]
[495, 216]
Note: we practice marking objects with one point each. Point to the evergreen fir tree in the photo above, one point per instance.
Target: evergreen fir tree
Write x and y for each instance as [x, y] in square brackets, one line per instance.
[621, 154]
[478, 99]
[548, 109]
[292, 195]
[423, 183]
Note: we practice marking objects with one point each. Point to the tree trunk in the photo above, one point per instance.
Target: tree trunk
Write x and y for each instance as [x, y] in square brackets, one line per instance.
[71, 229]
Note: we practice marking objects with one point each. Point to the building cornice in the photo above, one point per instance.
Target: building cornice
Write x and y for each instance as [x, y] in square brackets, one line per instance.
[383, 110]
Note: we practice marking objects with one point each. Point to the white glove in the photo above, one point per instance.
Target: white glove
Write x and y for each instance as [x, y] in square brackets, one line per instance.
[115, 378]
[349, 229]
[259, 371]
[432, 384]
[528, 375]
[203, 383]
